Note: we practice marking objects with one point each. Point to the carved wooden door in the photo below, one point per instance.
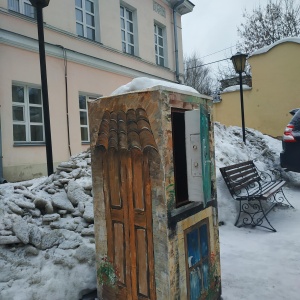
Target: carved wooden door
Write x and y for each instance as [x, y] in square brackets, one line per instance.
[127, 191]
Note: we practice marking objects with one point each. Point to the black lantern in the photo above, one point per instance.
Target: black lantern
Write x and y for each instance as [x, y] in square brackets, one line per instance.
[239, 62]
[39, 5]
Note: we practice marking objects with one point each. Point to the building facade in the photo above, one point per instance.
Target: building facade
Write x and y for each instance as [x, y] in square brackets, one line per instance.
[275, 90]
[92, 47]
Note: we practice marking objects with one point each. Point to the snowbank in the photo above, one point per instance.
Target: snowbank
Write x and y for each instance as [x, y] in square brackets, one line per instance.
[47, 248]
[235, 88]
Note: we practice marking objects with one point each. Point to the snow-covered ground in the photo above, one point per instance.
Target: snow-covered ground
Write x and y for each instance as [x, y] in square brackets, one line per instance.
[47, 243]
[256, 263]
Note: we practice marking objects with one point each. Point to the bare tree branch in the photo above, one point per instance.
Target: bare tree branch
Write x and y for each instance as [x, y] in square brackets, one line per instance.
[196, 75]
[266, 25]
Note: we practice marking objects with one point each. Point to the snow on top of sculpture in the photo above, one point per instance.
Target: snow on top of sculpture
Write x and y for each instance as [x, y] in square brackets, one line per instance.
[145, 83]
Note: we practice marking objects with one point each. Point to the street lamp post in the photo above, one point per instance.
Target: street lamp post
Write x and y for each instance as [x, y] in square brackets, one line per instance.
[39, 5]
[239, 62]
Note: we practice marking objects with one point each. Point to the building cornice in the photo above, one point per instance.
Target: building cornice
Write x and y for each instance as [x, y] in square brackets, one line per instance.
[184, 8]
[30, 44]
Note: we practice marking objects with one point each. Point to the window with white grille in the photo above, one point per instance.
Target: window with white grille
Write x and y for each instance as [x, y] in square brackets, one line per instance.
[23, 7]
[27, 113]
[84, 120]
[127, 30]
[85, 18]
[159, 45]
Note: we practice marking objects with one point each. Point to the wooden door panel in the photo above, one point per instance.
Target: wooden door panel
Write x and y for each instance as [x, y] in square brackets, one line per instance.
[129, 222]
[114, 178]
[137, 170]
[119, 251]
[142, 262]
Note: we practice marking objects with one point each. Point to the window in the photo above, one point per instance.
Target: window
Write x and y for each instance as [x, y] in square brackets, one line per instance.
[84, 122]
[27, 111]
[197, 260]
[127, 30]
[159, 45]
[85, 18]
[23, 7]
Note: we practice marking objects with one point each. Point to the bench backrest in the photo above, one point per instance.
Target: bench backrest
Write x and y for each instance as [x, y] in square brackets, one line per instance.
[239, 176]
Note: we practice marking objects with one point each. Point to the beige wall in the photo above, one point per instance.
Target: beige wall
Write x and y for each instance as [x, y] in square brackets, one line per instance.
[61, 30]
[94, 67]
[275, 91]
[23, 66]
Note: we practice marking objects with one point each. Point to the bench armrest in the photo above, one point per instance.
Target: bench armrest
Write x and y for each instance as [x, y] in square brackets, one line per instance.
[270, 175]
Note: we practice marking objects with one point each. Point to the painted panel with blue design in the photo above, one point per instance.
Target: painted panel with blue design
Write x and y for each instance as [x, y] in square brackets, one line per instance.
[193, 247]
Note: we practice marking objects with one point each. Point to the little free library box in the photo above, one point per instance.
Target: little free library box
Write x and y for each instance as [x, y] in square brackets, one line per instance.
[155, 206]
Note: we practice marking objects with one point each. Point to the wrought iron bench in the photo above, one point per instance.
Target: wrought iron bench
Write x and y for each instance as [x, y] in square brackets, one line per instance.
[252, 188]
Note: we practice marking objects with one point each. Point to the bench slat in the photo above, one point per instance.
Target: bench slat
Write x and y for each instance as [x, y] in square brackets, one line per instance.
[249, 162]
[243, 174]
[233, 171]
[243, 183]
[276, 187]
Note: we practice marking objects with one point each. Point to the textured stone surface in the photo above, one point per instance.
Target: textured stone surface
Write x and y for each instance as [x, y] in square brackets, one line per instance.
[81, 207]
[69, 245]
[76, 193]
[76, 173]
[66, 223]
[89, 212]
[51, 239]
[51, 218]
[67, 165]
[6, 240]
[44, 205]
[24, 204]
[85, 254]
[15, 208]
[61, 201]
[6, 232]
[21, 230]
[35, 235]
[35, 212]
[87, 231]
[31, 251]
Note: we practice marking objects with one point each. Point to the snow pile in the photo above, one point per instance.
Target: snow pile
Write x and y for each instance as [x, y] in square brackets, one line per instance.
[256, 263]
[235, 88]
[145, 83]
[268, 48]
[47, 248]
[230, 149]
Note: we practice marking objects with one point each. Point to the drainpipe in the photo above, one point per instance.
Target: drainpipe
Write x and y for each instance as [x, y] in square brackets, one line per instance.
[67, 95]
[2, 180]
[176, 39]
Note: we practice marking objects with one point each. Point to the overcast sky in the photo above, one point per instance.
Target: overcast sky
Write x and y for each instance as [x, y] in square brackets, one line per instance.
[212, 26]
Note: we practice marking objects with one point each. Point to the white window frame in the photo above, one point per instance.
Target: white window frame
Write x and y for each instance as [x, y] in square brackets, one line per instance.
[83, 23]
[85, 111]
[157, 36]
[26, 114]
[19, 6]
[125, 30]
